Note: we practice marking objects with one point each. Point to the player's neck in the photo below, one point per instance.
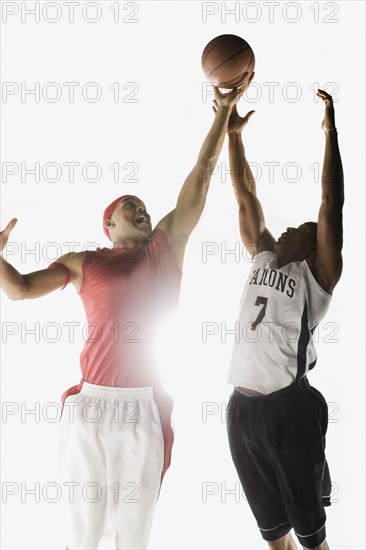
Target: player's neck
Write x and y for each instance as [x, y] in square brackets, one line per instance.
[129, 243]
[282, 260]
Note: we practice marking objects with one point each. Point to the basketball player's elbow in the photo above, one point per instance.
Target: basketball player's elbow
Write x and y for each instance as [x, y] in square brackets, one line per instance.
[16, 293]
[245, 198]
[30, 290]
[332, 200]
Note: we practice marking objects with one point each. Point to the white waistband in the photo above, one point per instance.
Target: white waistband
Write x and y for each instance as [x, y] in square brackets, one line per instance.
[117, 392]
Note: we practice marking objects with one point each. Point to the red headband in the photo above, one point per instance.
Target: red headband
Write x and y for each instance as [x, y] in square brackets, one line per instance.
[109, 211]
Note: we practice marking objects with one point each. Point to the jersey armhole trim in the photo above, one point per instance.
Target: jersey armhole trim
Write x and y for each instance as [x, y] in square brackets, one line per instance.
[64, 269]
[312, 278]
[83, 273]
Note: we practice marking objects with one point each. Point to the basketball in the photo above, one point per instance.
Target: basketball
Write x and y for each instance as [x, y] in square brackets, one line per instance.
[226, 59]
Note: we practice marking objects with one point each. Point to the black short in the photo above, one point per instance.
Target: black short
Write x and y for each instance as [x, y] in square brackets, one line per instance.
[277, 443]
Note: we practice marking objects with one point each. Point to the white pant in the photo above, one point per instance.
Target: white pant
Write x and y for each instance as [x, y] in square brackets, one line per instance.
[110, 464]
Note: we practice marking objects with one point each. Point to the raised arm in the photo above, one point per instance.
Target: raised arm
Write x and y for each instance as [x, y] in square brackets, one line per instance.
[38, 283]
[328, 261]
[179, 223]
[253, 231]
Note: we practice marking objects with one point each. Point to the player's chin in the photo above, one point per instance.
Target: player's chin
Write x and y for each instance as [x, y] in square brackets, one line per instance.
[144, 228]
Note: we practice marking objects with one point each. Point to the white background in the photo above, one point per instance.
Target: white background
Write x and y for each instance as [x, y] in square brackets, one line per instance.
[162, 133]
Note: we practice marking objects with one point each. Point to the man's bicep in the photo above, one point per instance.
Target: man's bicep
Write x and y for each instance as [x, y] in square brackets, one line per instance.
[42, 282]
[191, 201]
[329, 245]
[165, 223]
[253, 231]
[58, 274]
[181, 221]
[249, 229]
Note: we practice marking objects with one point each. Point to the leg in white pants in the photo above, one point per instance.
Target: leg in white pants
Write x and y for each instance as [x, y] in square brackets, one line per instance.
[111, 454]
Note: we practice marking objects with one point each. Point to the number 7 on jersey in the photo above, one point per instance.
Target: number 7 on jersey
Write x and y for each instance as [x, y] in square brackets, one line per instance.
[261, 300]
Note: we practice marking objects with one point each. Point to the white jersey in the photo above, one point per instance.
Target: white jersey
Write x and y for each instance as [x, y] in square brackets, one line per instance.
[279, 310]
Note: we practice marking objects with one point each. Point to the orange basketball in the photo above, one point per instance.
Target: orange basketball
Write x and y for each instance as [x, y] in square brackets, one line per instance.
[226, 59]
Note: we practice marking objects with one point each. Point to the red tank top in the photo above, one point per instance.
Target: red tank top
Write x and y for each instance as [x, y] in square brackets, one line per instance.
[125, 292]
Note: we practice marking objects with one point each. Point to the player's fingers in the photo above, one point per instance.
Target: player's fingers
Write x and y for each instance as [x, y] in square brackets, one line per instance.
[324, 99]
[217, 91]
[231, 93]
[238, 91]
[246, 119]
[9, 227]
[248, 115]
[324, 95]
[323, 92]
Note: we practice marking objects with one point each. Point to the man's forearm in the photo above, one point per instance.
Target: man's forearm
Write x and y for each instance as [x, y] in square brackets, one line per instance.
[191, 199]
[332, 174]
[241, 173]
[214, 140]
[237, 162]
[12, 281]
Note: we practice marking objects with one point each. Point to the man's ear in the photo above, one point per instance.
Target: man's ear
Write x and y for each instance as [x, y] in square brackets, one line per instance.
[108, 223]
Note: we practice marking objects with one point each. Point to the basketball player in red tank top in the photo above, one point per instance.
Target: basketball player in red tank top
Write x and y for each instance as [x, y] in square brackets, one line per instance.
[126, 287]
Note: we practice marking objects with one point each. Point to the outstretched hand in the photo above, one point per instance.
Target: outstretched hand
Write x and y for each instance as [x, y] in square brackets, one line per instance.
[236, 122]
[329, 119]
[231, 98]
[4, 235]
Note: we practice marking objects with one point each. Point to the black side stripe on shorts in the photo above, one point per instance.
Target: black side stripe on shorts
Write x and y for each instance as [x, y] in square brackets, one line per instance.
[312, 365]
[303, 343]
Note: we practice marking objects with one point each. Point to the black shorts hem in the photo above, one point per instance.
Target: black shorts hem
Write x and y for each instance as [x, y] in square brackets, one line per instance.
[311, 541]
[276, 532]
[259, 428]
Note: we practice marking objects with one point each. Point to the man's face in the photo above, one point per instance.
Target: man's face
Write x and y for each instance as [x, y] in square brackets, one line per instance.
[131, 219]
[296, 243]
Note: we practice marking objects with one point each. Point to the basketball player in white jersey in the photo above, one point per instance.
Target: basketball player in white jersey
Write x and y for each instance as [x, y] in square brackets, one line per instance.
[128, 285]
[276, 421]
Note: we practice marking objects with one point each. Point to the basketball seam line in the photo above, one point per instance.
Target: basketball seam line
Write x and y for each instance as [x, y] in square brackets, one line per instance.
[226, 60]
[228, 37]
